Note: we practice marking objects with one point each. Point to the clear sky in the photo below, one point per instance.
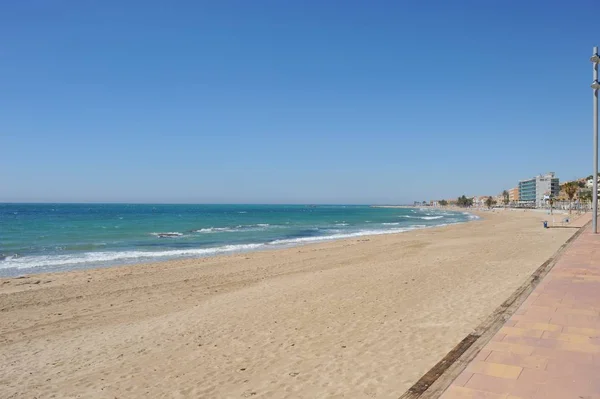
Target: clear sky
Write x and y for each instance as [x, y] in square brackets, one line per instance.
[291, 101]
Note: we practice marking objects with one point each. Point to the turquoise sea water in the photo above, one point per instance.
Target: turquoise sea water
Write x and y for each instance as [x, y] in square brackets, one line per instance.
[53, 237]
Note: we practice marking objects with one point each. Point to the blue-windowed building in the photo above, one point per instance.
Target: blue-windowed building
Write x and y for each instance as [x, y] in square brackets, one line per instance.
[537, 190]
[527, 190]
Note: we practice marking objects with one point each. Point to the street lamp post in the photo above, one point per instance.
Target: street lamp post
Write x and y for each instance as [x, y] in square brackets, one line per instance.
[595, 86]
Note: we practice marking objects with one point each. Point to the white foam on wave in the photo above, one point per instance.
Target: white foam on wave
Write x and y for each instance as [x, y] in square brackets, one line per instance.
[471, 216]
[422, 217]
[250, 227]
[391, 224]
[214, 230]
[28, 262]
[361, 233]
[341, 224]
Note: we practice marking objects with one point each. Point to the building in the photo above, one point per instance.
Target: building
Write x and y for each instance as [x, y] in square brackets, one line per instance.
[589, 183]
[527, 191]
[547, 186]
[537, 190]
[479, 201]
[499, 199]
[513, 195]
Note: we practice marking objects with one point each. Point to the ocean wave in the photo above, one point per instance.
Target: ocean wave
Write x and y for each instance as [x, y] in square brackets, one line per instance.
[82, 259]
[214, 230]
[422, 217]
[249, 227]
[341, 224]
[29, 262]
[391, 224]
[337, 236]
[471, 216]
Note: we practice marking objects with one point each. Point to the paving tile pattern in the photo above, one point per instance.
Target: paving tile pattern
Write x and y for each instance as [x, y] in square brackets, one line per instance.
[550, 347]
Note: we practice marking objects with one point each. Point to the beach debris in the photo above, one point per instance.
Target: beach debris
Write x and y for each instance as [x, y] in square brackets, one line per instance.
[249, 393]
[30, 282]
[293, 374]
[166, 235]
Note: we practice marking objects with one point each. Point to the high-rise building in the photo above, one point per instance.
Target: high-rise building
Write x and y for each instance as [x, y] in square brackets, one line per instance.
[527, 191]
[537, 190]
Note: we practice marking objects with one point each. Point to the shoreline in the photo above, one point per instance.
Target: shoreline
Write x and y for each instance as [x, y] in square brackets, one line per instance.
[212, 252]
[357, 317]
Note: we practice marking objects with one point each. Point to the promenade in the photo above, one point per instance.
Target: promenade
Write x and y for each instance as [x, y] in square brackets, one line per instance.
[550, 347]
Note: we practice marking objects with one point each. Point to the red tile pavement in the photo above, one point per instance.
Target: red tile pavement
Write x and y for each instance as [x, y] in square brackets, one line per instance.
[550, 347]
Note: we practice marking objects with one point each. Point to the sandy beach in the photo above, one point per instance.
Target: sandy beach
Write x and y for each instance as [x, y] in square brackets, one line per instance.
[356, 318]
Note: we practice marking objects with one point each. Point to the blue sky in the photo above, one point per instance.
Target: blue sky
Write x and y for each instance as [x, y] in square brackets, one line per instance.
[291, 102]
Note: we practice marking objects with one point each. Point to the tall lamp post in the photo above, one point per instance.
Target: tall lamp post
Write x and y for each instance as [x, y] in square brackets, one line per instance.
[595, 87]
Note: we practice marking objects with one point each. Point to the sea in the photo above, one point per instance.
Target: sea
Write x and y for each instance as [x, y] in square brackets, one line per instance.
[37, 238]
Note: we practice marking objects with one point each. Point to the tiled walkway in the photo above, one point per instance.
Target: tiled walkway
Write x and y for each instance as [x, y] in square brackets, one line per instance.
[550, 348]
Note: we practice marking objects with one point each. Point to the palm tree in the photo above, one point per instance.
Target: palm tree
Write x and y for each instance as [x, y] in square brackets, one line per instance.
[571, 189]
[505, 197]
[489, 202]
[585, 196]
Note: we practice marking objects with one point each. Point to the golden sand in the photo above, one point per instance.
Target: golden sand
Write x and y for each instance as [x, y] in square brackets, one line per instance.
[356, 318]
